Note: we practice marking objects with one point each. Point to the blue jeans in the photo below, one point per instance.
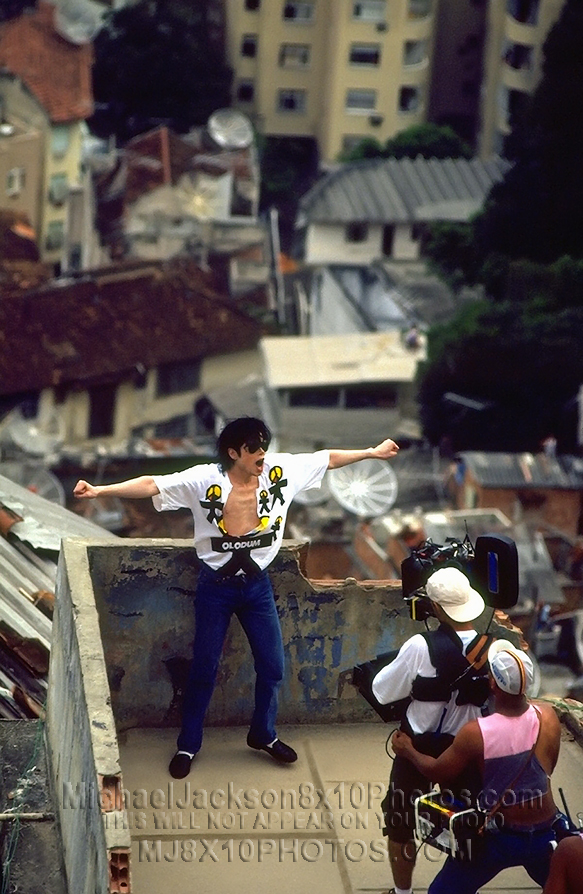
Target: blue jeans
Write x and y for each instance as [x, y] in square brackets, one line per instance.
[500, 851]
[251, 599]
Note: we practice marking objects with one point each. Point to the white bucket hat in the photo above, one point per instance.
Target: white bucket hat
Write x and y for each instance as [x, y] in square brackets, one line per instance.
[450, 588]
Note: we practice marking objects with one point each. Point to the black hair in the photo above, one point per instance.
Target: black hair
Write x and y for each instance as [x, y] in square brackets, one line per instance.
[242, 431]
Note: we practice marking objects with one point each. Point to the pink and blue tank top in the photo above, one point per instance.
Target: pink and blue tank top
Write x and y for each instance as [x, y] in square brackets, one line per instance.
[507, 744]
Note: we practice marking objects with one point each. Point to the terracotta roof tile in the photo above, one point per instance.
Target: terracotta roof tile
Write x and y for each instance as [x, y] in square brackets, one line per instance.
[102, 325]
[56, 72]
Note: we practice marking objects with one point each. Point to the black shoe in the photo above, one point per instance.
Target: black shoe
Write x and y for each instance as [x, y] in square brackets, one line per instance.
[278, 750]
[179, 766]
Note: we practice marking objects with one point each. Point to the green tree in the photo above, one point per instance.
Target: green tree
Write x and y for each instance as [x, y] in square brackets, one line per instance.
[521, 359]
[518, 354]
[157, 62]
[536, 212]
[427, 140]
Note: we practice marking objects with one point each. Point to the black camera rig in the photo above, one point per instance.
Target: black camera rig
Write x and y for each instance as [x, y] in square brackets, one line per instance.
[421, 564]
[492, 569]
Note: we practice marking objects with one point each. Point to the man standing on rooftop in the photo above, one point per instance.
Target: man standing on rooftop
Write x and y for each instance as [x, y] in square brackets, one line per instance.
[239, 505]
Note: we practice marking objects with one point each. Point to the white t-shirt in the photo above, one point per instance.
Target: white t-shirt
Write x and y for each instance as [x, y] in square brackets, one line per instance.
[395, 680]
[204, 490]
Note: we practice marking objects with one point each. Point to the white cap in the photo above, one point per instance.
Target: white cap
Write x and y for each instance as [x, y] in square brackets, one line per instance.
[511, 668]
[450, 588]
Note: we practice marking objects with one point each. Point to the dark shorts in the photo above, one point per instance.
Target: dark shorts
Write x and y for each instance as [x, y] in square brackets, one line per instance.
[406, 784]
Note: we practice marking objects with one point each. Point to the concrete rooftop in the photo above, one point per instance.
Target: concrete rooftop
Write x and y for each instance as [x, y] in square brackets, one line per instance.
[275, 834]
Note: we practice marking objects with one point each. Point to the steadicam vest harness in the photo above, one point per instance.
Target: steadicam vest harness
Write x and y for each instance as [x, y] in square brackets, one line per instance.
[468, 674]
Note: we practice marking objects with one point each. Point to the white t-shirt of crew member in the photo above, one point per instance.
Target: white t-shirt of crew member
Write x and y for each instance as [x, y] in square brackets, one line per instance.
[394, 682]
[204, 489]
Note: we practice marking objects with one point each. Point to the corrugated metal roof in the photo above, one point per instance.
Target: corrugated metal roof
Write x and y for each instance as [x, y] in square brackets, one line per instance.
[520, 470]
[44, 523]
[29, 552]
[393, 190]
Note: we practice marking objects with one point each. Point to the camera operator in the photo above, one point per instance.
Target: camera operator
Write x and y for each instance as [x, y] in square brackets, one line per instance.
[432, 668]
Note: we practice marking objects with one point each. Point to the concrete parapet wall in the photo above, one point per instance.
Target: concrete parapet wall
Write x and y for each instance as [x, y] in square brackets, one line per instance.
[81, 735]
[144, 592]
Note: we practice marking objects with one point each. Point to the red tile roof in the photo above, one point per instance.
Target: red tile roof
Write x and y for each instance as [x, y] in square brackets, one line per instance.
[57, 72]
[104, 324]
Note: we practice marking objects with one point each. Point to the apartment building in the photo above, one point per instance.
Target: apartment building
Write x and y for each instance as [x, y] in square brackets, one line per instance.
[45, 84]
[342, 70]
[334, 70]
[513, 58]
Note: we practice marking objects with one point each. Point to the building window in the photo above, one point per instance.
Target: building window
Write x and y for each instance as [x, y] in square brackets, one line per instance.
[291, 101]
[249, 46]
[414, 52]
[55, 235]
[75, 256]
[365, 54]
[519, 56]
[14, 181]
[101, 410]
[409, 99]
[524, 11]
[370, 10]
[298, 11]
[252, 5]
[60, 138]
[294, 55]
[314, 397]
[246, 91]
[179, 377]
[371, 397]
[361, 100]
[356, 232]
[419, 9]
[388, 240]
[58, 189]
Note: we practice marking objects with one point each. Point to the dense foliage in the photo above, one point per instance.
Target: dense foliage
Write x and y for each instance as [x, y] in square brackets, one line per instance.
[157, 62]
[427, 140]
[518, 353]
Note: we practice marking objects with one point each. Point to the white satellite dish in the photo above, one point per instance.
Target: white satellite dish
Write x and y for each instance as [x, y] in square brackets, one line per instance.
[78, 21]
[35, 478]
[368, 488]
[230, 129]
[32, 438]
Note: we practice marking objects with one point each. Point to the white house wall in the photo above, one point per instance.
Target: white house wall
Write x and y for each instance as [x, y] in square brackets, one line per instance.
[140, 407]
[404, 247]
[327, 244]
[330, 312]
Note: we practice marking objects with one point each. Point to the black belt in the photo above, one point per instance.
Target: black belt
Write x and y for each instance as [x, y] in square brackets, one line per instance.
[241, 576]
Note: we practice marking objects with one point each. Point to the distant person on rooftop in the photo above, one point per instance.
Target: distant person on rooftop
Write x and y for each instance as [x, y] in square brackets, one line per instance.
[239, 505]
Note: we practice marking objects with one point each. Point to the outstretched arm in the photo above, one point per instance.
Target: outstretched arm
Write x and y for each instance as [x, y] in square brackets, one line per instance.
[385, 450]
[465, 749]
[134, 488]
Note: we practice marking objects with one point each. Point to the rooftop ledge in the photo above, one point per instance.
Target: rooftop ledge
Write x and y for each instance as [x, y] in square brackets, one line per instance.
[121, 644]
